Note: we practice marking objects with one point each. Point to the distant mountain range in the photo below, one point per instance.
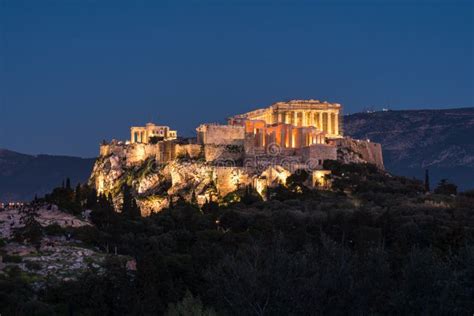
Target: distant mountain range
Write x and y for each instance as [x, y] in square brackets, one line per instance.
[412, 141]
[22, 176]
[441, 141]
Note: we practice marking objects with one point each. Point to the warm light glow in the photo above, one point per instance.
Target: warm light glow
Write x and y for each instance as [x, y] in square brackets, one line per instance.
[319, 178]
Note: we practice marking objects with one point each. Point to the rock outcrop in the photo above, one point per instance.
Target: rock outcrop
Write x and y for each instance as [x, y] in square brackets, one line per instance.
[156, 184]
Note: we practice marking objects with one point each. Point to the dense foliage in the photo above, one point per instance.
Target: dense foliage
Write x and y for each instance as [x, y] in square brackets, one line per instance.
[376, 244]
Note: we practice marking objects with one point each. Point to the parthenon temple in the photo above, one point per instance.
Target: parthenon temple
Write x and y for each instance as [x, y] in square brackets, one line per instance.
[326, 117]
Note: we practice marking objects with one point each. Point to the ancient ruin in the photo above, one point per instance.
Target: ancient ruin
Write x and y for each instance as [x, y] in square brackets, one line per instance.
[258, 149]
[151, 133]
[325, 117]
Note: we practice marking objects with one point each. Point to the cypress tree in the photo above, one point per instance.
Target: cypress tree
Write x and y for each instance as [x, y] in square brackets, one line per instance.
[129, 207]
[427, 181]
[78, 195]
[91, 200]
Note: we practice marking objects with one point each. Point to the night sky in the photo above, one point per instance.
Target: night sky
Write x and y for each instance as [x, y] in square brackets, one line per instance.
[74, 72]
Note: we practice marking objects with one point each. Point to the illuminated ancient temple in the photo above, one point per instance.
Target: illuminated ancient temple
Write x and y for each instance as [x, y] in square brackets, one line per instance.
[150, 133]
[325, 117]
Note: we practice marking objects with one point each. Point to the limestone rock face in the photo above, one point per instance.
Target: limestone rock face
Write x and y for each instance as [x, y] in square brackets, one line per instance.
[188, 178]
[156, 184]
[106, 172]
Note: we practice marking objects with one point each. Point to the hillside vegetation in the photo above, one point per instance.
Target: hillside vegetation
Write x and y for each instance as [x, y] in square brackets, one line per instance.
[376, 244]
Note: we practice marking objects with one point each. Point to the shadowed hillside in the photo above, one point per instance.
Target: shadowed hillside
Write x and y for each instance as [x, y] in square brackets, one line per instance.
[22, 176]
[439, 140]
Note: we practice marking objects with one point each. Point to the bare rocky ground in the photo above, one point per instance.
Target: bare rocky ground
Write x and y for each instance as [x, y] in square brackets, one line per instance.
[11, 218]
[57, 257]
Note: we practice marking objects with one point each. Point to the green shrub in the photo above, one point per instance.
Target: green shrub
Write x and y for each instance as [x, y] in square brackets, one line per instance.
[54, 230]
[31, 265]
[12, 259]
[87, 234]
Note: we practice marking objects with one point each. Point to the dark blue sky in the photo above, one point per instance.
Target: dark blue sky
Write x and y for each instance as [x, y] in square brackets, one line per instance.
[74, 72]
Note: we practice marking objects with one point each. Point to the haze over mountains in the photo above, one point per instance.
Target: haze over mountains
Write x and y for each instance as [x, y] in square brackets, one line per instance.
[412, 141]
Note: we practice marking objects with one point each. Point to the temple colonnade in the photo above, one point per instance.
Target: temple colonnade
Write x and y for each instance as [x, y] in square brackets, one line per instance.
[326, 120]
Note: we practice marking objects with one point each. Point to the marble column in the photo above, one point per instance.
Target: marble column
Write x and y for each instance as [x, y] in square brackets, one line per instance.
[321, 125]
[336, 123]
[329, 122]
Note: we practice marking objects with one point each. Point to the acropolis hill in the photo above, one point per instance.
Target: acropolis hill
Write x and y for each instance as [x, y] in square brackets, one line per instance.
[258, 149]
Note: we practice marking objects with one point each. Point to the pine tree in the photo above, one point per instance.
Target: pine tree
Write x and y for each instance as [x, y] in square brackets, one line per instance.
[427, 181]
[68, 184]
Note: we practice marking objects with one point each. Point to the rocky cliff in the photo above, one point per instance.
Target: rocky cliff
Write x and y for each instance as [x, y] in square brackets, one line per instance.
[439, 140]
[156, 185]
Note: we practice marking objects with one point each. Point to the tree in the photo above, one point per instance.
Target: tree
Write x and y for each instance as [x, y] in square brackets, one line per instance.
[32, 232]
[427, 181]
[78, 195]
[68, 184]
[130, 208]
[103, 214]
[189, 306]
[446, 188]
[297, 179]
[91, 199]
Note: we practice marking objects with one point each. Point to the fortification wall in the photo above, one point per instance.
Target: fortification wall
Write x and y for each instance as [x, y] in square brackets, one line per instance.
[368, 151]
[137, 152]
[192, 151]
[318, 153]
[112, 149]
[221, 134]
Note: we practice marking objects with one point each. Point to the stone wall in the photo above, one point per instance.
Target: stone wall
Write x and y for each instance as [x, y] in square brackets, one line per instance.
[136, 153]
[192, 151]
[366, 150]
[316, 154]
[213, 134]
